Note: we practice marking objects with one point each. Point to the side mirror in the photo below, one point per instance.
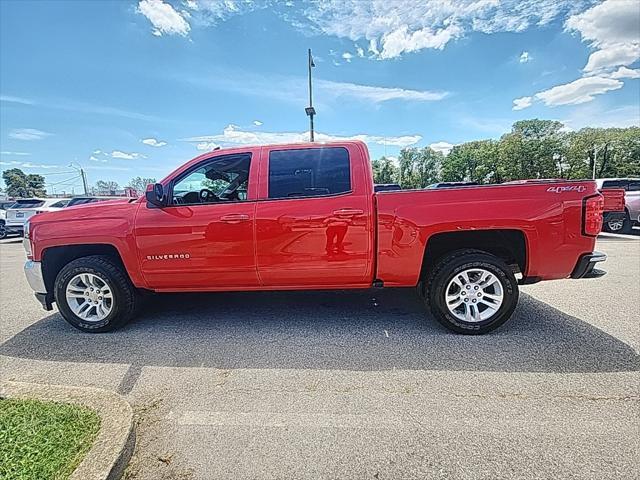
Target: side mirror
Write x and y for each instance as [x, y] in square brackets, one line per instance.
[155, 195]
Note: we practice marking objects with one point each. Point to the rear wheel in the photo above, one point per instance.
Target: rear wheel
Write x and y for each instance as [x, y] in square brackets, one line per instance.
[472, 292]
[94, 294]
[3, 230]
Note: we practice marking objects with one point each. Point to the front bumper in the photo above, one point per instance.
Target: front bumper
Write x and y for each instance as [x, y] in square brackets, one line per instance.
[586, 263]
[33, 272]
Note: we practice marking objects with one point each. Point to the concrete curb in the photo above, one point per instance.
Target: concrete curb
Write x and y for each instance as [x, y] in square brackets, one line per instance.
[113, 446]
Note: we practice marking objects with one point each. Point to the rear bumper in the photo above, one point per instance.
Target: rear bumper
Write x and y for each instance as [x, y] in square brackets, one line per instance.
[586, 263]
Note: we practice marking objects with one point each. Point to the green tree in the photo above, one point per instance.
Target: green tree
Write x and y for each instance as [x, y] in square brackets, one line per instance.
[384, 171]
[419, 167]
[477, 161]
[21, 185]
[140, 183]
[106, 187]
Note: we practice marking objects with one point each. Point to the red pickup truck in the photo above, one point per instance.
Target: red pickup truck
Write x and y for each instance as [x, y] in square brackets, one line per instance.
[305, 216]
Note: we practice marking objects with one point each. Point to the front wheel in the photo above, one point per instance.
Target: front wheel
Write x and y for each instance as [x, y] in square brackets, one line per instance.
[472, 292]
[3, 230]
[94, 294]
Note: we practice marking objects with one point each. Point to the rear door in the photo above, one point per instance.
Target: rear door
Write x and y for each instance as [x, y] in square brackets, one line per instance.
[313, 219]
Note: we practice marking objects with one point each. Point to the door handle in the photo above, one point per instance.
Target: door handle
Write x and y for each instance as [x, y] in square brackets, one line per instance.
[348, 212]
[234, 218]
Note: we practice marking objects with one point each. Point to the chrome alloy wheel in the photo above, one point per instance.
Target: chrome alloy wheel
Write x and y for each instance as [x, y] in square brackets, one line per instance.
[474, 295]
[89, 297]
[615, 225]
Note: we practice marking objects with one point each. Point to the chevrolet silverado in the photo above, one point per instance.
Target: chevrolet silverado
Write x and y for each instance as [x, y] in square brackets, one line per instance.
[306, 216]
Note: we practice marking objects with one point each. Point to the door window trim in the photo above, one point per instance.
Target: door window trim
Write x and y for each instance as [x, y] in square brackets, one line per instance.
[195, 167]
[305, 197]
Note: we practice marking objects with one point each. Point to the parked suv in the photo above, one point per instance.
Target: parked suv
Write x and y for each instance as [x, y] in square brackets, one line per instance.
[25, 208]
[632, 202]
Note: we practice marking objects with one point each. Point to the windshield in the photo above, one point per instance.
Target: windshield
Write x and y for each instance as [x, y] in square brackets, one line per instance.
[28, 203]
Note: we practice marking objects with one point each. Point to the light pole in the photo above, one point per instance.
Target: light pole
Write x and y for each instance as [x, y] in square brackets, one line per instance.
[83, 175]
[310, 111]
[595, 157]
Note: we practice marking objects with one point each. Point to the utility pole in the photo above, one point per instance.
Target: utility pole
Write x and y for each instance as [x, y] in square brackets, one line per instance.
[84, 181]
[82, 175]
[310, 111]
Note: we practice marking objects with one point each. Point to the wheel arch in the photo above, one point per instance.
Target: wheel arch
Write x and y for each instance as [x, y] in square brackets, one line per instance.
[55, 258]
[508, 244]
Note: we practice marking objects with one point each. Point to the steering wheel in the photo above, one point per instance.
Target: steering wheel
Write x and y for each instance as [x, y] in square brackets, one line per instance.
[207, 195]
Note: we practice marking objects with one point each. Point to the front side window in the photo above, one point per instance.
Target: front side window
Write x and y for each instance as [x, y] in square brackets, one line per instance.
[223, 179]
[309, 172]
[614, 184]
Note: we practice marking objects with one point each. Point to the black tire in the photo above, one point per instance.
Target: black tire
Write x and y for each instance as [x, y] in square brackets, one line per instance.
[124, 293]
[627, 226]
[455, 263]
[3, 230]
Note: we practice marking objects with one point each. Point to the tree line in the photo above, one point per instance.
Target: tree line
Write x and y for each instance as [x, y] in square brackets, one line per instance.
[22, 185]
[532, 149]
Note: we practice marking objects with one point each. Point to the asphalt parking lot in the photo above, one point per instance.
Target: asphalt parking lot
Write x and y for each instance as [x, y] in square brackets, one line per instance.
[357, 384]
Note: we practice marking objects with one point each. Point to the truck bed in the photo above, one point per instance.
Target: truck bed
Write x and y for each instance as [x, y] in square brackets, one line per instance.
[546, 215]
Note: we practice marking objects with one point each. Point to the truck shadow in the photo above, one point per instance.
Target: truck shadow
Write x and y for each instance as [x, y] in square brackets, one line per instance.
[357, 330]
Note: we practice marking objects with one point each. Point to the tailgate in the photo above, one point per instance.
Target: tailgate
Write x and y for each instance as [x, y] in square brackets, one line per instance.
[613, 199]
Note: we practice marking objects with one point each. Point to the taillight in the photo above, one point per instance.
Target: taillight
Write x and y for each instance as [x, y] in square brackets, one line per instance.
[592, 215]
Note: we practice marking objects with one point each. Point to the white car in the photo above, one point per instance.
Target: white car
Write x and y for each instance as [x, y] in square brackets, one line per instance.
[25, 208]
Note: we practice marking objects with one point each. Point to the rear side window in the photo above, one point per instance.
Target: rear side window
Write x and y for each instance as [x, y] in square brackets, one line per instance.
[615, 184]
[27, 204]
[309, 172]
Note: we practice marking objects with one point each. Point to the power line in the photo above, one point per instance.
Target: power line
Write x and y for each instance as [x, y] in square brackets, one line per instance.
[63, 181]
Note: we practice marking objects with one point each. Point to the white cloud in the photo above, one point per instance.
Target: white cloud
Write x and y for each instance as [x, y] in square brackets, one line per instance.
[93, 158]
[28, 134]
[611, 27]
[164, 18]
[12, 99]
[347, 56]
[525, 57]
[17, 154]
[579, 91]
[522, 102]
[444, 147]
[152, 142]
[29, 165]
[612, 56]
[257, 123]
[234, 135]
[396, 28]
[359, 51]
[207, 146]
[126, 156]
[624, 72]
[377, 94]
[611, 22]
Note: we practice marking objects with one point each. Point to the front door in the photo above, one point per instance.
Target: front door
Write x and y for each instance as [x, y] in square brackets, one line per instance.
[204, 239]
[313, 227]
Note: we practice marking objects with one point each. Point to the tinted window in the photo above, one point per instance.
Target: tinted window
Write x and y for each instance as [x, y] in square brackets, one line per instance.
[309, 172]
[60, 204]
[27, 204]
[634, 185]
[223, 179]
[615, 184]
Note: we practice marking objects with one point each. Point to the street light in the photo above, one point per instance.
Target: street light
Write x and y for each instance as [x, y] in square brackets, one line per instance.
[595, 157]
[310, 111]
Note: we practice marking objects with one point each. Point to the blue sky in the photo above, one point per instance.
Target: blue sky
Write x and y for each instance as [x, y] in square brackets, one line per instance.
[137, 88]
